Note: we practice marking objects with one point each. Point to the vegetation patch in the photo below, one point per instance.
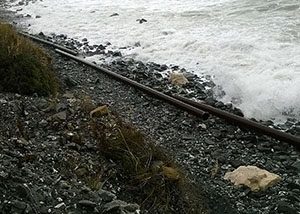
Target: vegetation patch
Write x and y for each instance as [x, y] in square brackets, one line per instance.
[24, 67]
[148, 171]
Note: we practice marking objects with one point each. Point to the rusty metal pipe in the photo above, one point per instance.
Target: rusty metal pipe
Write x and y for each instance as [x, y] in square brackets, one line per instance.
[194, 110]
[194, 107]
[241, 121]
[49, 43]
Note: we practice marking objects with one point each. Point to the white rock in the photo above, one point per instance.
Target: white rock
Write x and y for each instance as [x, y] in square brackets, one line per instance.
[60, 205]
[253, 177]
[178, 79]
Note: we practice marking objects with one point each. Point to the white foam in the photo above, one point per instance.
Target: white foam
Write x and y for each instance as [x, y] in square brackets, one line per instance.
[251, 48]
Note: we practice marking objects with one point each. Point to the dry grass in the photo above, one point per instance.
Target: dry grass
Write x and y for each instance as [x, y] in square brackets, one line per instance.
[24, 67]
[150, 173]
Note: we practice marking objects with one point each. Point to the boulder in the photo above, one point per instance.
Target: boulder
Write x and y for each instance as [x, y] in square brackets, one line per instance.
[253, 177]
[178, 79]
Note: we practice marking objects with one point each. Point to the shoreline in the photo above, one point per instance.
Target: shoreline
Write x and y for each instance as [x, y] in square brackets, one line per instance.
[263, 102]
[112, 57]
[200, 88]
[196, 147]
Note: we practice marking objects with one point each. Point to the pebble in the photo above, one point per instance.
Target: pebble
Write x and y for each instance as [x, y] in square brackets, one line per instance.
[87, 203]
[285, 207]
[60, 205]
[296, 165]
[106, 196]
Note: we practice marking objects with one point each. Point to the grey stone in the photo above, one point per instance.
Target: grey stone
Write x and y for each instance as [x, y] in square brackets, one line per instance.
[114, 14]
[296, 165]
[70, 82]
[132, 207]
[61, 106]
[60, 205]
[106, 195]
[19, 204]
[286, 208]
[3, 174]
[87, 203]
[117, 204]
[23, 191]
[120, 206]
[60, 116]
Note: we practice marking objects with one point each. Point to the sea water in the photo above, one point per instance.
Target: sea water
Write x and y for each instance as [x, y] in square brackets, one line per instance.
[251, 48]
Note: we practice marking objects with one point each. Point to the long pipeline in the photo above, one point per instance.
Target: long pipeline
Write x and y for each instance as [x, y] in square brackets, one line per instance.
[49, 43]
[194, 107]
[241, 121]
[194, 110]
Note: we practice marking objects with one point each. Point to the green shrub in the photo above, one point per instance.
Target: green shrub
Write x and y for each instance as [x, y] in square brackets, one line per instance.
[24, 67]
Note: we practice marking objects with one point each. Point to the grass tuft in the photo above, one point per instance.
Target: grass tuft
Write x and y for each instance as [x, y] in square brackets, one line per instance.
[149, 171]
[24, 67]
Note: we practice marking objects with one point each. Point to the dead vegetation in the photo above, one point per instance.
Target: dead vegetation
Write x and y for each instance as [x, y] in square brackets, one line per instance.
[24, 67]
[149, 172]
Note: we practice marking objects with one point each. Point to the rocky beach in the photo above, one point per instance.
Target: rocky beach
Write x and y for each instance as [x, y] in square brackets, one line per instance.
[51, 163]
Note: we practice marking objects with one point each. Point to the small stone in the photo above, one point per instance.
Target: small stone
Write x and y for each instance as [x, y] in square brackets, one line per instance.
[296, 165]
[38, 17]
[22, 141]
[132, 207]
[59, 116]
[60, 205]
[22, 191]
[117, 204]
[2, 101]
[64, 185]
[70, 82]
[141, 20]
[186, 137]
[137, 44]
[19, 204]
[43, 122]
[106, 195]
[117, 53]
[253, 177]
[73, 137]
[114, 14]
[3, 174]
[100, 111]
[87, 203]
[163, 67]
[61, 106]
[101, 47]
[284, 207]
[202, 126]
